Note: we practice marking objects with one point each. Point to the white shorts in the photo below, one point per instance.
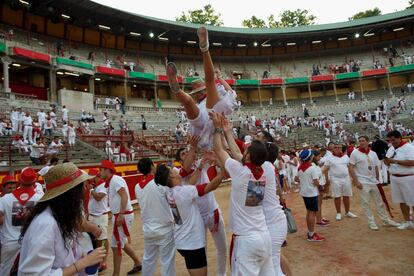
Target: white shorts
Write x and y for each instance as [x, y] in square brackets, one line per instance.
[102, 223]
[402, 189]
[341, 187]
[252, 255]
[129, 220]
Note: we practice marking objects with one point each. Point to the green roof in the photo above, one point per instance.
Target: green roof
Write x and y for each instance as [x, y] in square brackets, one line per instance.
[290, 30]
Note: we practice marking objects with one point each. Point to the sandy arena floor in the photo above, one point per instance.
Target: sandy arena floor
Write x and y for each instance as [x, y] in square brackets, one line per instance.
[351, 248]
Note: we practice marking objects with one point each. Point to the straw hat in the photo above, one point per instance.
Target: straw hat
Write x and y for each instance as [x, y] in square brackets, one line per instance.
[197, 85]
[61, 178]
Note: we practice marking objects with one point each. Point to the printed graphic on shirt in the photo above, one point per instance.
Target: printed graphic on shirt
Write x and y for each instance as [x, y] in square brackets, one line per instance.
[255, 193]
[19, 212]
[174, 210]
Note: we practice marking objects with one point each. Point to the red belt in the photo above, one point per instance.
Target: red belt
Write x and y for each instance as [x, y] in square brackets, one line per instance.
[401, 175]
[216, 221]
[124, 228]
[233, 236]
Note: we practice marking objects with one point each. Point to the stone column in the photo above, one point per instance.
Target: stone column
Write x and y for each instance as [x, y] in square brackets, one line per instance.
[310, 93]
[6, 81]
[53, 96]
[92, 85]
[284, 95]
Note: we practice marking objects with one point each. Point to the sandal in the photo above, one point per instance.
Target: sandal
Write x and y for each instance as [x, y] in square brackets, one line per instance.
[172, 77]
[203, 39]
[135, 269]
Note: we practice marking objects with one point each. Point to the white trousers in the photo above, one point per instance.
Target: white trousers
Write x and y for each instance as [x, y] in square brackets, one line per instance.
[123, 157]
[28, 134]
[9, 252]
[383, 176]
[220, 241]
[71, 140]
[15, 125]
[278, 233]
[252, 255]
[367, 193]
[163, 246]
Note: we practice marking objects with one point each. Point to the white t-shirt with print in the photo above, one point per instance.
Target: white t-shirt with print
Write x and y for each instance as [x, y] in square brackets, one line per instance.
[114, 198]
[307, 188]
[271, 204]
[365, 165]
[189, 231]
[98, 208]
[338, 166]
[247, 193]
[12, 211]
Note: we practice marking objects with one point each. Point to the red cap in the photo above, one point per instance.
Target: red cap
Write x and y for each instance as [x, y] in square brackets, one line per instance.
[8, 179]
[93, 172]
[106, 164]
[27, 176]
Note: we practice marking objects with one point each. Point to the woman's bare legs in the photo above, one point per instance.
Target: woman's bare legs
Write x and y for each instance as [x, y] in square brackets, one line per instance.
[211, 90]
[190, 106]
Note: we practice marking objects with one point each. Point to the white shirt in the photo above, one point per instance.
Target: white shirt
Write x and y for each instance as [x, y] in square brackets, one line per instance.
[98, 208]
[27, 121]
[44, 170]
[48, 124]
[156, 216]
[189, 231]
[43, 250]
[65, 113]
[338, 167]
[71, 131]
[12, 211]
[271, 204]
[207, 203]
[365, 165]
[307, 189]
[115, 185]
[247, 193]
[54, 147]
[41, 116]
[35, 151]
[405, 152]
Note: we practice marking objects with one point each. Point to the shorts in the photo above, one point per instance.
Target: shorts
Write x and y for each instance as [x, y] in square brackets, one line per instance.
[129, 220]
[311, 203]
[402, 189]
[102, 223]
[341, 187]
[194, 258]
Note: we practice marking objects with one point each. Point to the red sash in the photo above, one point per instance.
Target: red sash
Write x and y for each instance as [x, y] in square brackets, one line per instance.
[216, 221]
[23, 194]
[366, 151]
[108, 181]
[145, 180]
[401, 144]
[339, 155]
[384, 199]
[116, 231]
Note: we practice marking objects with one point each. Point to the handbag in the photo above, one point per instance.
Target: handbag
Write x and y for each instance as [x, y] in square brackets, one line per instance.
[291, 224]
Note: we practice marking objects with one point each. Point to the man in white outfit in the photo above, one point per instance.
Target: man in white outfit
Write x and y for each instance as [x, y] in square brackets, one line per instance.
[157, 222]
[28, 128]
[400, 159]
[14, 118]
[365, 170]
[337, 174]
[14, 207]
[41, 117]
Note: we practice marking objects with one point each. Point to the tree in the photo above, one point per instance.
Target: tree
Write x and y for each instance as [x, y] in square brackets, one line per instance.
[368, 13]
[207, 16]
[254, 22]
[410, 4]
[287, 19]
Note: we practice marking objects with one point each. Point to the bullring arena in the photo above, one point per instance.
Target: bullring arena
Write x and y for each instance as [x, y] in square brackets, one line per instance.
[286, 117]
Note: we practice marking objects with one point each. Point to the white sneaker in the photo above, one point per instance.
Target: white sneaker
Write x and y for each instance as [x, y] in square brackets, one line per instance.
[338, 217]
[406, 225]
[390, 222]
[373, 226]
[351, 215]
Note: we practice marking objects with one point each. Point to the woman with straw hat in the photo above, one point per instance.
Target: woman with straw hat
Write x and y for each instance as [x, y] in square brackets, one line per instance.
[51, 233]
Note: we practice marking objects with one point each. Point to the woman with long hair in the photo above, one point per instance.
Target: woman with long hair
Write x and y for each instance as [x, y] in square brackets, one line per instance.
[50, 235]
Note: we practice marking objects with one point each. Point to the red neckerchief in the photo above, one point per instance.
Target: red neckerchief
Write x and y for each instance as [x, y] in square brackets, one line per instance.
[304, 166]
[145, 180]
[23, 194]
[338, 154]
[366, 151]
[107, 181]
[257, 171]
[401, 144]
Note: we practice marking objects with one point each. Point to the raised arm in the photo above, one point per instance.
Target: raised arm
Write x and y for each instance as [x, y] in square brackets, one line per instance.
[228, 134]
[192, 153]
[221, 153]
